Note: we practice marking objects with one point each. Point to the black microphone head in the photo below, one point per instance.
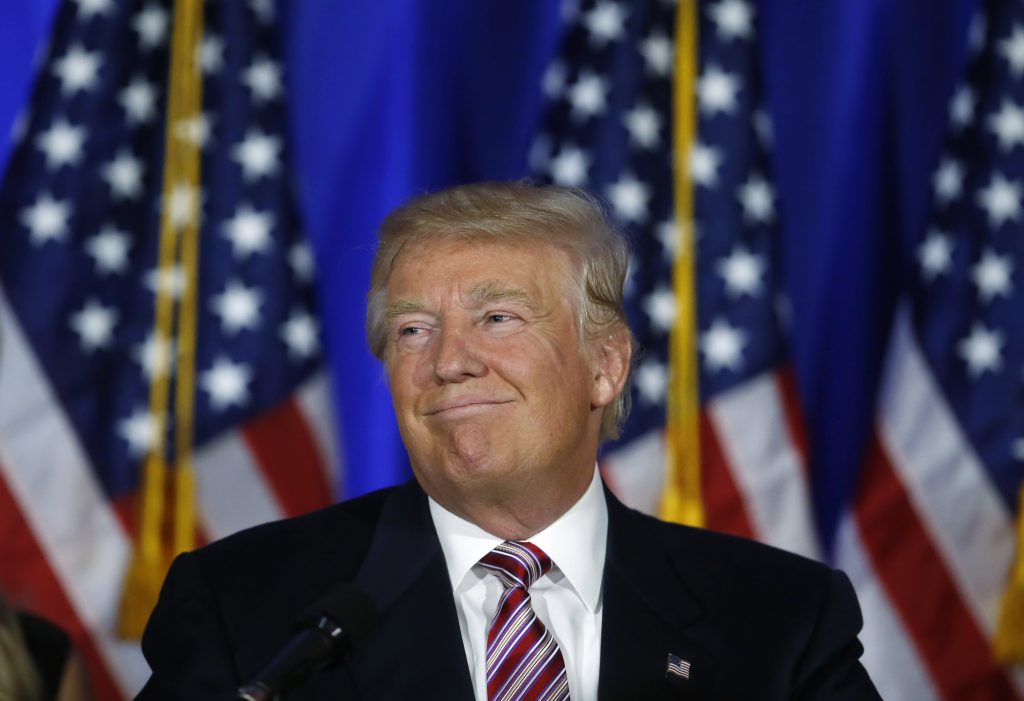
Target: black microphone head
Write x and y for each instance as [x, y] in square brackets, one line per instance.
[348, 607]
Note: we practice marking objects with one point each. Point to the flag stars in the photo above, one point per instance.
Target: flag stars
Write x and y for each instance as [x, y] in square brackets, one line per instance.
[94, 324]
[78, 70]
[139, 431]
[630, 197]
[588, 96]
[301, 334]
[1001, 200]
[657, 53]
[170, 281]
[124, 176]
[948, 181]
[660, 307]
[1008, 125]
[1012, 49]
[670, 237]
[734, 19]
[238, 307]
[263, 9]
[651, 381]
[605, 23]
[742, 271]
[210, 54]
[704, 164]
[722, 346]
[976, 32]
[554, 79]
[20, 126]
[991, 275]
[87, 9]
[182, 205]
[263, 78]
[300, 258]
[717, 91]
[249, 231]
[757, 198]
[109, 251]
[151, 24]
[539, 155]
[154, 356]
[195, 130]
[935, 255]
[62, 144]
[961, 108]
[226, 383]
[982, 350]
[258, 155]
[46, 220]
[569, 167]
[138, 99]
[644, 126]
[763, 127]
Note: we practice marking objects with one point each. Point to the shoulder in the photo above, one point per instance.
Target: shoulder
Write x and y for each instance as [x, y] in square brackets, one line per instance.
[338, 532]
[746, 583]
[785, 620]
[229, 605]
[716, 556]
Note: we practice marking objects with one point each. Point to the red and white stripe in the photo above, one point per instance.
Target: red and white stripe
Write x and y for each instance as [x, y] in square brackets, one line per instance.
[927, 542]
[65, 546]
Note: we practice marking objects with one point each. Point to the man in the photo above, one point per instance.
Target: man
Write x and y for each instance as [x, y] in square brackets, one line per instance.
[506, 570]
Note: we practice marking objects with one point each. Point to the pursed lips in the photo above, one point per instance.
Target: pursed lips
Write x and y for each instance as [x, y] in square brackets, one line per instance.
[456, 403]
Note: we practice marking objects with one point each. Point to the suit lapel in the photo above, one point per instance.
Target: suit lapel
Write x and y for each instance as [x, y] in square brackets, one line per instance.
[647, 608]
[417, 650]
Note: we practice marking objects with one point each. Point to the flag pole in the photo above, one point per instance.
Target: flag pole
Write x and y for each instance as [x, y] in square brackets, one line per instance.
[179, 234]
[681, 497]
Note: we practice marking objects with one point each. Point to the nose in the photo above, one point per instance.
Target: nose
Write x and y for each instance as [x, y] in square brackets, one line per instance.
[455, 358]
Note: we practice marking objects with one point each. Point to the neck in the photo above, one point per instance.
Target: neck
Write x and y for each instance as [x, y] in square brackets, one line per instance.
[512, 516]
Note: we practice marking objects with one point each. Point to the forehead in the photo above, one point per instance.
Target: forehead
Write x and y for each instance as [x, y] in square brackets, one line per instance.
[479, 268]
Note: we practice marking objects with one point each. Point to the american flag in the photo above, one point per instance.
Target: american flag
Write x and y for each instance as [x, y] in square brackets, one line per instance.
[80, 207]
[929, 537]
[945, 466]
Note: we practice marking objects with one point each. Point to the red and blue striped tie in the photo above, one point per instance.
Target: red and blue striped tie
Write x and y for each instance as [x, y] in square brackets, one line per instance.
[523, 659]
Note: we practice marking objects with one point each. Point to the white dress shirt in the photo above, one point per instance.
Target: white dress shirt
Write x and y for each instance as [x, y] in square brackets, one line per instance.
[568, 599]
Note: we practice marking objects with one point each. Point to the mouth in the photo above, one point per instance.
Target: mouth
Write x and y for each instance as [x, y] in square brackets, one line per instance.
[459, 407]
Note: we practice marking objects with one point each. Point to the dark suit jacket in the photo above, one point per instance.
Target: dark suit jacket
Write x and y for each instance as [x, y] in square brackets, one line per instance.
[754, 622]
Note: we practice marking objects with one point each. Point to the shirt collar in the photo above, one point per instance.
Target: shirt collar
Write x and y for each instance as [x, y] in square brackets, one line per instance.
[576, 542]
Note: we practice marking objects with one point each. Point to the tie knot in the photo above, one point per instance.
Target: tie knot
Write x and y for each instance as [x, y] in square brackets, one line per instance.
[517, 564]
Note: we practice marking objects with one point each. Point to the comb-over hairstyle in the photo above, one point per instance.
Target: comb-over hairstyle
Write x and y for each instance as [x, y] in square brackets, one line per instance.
[517, 213]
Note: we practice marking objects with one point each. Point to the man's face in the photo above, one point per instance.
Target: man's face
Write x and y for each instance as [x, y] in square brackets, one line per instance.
[494, 396]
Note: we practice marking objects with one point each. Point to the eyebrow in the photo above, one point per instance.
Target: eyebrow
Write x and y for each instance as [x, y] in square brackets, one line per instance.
[491, 292]
[400, 307]
[482, 294]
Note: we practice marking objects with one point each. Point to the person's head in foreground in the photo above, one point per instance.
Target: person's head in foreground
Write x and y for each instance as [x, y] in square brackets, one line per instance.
[497, 310]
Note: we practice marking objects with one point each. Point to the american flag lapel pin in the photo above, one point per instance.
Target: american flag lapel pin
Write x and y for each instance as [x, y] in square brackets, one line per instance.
[677, 667]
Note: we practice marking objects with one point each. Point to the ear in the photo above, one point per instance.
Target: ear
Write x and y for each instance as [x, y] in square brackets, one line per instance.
[610, 357]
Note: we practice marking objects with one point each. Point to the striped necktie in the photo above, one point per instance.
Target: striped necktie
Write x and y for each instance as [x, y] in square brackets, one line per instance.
[523, 659]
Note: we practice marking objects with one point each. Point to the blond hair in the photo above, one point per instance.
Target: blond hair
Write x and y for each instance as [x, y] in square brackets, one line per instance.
[19, 680]
[517, 213]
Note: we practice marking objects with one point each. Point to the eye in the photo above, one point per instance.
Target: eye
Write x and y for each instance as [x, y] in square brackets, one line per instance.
[410, 331]
[499, 318]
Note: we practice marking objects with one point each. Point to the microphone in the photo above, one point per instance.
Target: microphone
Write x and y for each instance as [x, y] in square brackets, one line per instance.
[339, 622]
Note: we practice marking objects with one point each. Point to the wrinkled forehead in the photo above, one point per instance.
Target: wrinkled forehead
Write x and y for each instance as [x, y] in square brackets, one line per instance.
[481, 270]
[547, 253]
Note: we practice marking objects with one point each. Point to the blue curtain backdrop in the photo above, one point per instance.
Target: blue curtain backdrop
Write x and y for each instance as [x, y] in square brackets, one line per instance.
[394, 97]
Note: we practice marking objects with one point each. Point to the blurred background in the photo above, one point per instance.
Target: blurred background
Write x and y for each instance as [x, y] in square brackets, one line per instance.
[188, 215]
